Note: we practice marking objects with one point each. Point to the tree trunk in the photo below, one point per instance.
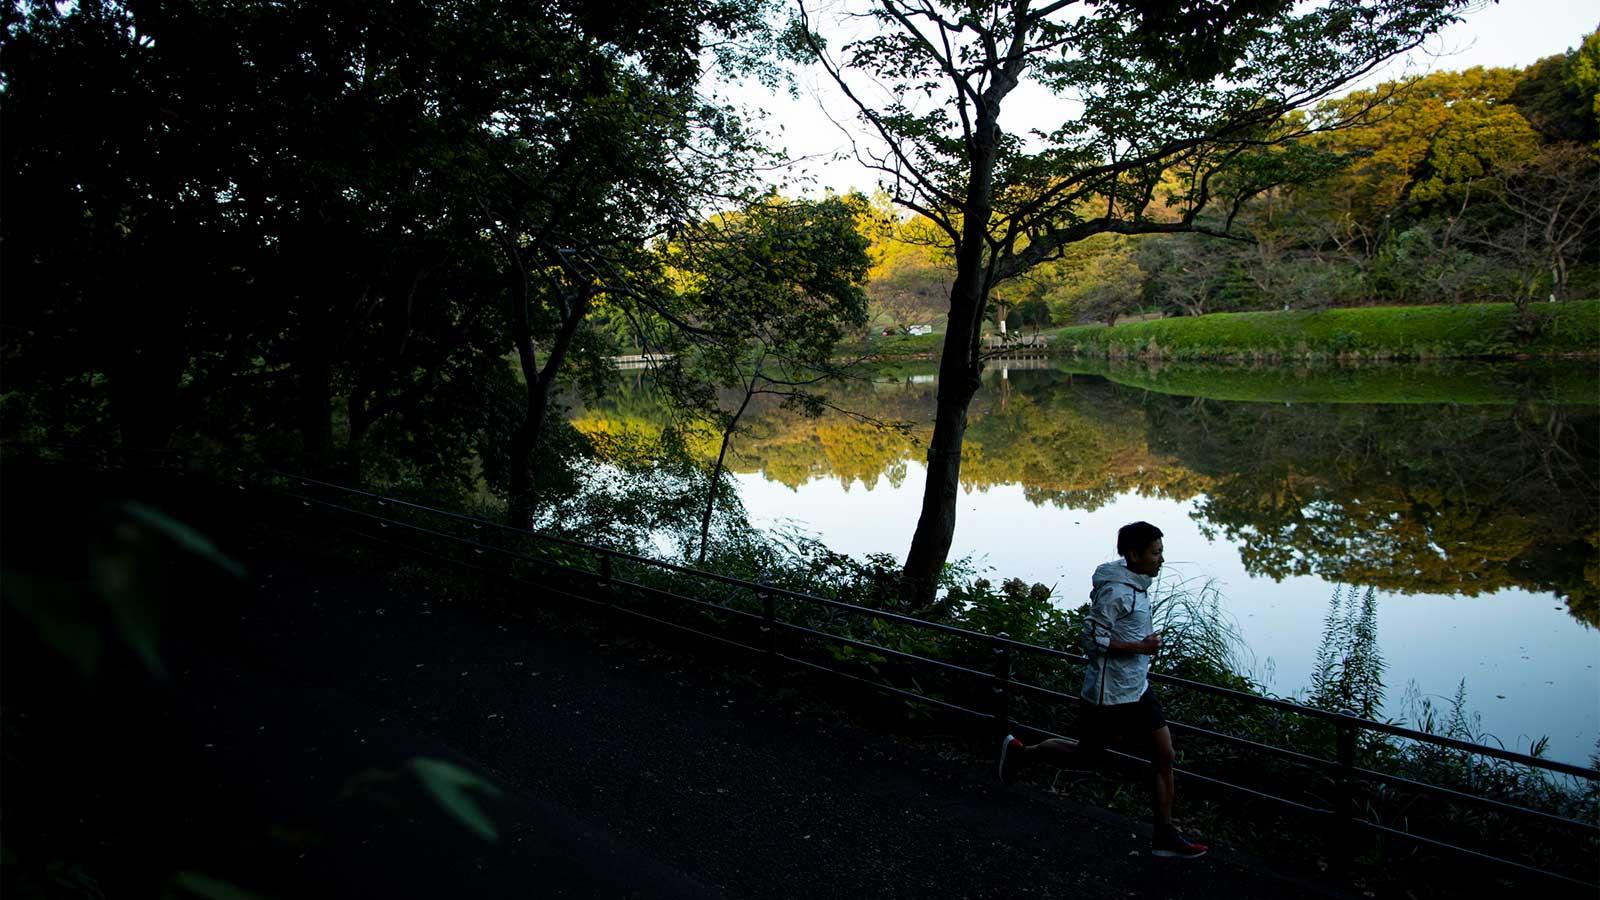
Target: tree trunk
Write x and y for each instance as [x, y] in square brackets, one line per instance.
[960, 363]
[722, 454]
[524, 441]
[711, 495]
[540, 381]
[936, 526]
[145, 357]
[144, 393]
[360, 423]
[316, 409]
[959, 372]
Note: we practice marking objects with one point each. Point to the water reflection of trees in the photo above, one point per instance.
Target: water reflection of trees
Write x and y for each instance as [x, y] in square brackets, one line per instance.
[1070, 441]
[1433, 498]
[1436, 499]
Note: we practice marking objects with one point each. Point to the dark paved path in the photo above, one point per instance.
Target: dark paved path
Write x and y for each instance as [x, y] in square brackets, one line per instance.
[621, 777]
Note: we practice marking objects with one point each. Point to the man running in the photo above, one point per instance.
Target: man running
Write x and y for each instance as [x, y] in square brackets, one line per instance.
[1118, 699]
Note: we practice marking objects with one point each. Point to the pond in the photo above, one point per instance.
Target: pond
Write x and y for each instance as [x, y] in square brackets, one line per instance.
[1466, 496]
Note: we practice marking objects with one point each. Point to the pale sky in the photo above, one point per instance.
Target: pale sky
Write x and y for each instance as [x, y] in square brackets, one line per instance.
[1508, 33]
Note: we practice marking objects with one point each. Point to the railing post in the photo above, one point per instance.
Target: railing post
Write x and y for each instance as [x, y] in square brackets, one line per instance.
[769, 637]
[1344, 798]
[605, 572]
[1002, 686]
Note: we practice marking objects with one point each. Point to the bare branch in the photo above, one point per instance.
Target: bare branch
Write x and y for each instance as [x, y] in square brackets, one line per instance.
[922, 181]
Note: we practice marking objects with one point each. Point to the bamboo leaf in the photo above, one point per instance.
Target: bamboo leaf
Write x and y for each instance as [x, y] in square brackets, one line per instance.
[453, 787]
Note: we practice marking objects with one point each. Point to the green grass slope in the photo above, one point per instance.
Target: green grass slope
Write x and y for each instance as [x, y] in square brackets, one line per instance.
[1479, 330]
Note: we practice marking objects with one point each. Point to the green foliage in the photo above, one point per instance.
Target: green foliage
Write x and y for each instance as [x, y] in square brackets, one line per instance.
[780, 276]
[910, 280]
[1558, 94]
[903, 346]
[124, 594]
[1199, 639]
[344, 176]
[1018, 610]
[1403, 203]
[1348, 676]
[1401, 195]
[445, 783]
[773, 289]
[1185, 275]
[196, 884]
[1003, 206]
[1099, 279]
[1580, 75]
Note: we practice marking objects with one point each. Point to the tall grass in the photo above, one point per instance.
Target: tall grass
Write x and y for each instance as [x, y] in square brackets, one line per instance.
[1199, 638]
[1349, 668]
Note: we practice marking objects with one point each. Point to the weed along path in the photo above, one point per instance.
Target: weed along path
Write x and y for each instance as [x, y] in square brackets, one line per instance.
[612, 772]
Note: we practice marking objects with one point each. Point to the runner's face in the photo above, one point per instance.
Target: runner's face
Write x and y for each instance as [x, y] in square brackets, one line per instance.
[1147, 562]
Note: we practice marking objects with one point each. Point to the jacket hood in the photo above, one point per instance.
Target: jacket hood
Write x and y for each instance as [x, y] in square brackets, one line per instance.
[1119, 573]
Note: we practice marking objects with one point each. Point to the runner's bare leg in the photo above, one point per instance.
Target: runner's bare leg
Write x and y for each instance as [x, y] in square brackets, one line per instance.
[1162, 787]
[1057, 750]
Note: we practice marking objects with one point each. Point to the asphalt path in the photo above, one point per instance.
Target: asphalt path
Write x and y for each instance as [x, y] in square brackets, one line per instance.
[619, 773]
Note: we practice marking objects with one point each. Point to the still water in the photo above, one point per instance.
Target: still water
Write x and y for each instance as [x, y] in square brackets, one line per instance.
[1468, 497]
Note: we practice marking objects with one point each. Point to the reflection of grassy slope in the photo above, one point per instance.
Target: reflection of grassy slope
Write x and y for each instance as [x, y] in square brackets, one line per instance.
[1451, 499]
[1392, 332]
[1494, 384]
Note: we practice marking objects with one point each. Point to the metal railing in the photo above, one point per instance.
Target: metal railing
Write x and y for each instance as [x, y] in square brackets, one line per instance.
[1005, 688]
[603, 579]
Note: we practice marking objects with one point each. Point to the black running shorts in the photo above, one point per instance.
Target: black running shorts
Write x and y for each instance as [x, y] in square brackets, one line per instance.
[1137, 720]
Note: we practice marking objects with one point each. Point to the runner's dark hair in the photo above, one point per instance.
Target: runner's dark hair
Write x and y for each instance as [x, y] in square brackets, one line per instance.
[1135, 536]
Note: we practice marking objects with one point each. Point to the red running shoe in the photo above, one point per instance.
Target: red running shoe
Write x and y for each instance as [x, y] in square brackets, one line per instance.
[1170, 842]
[1010, 755]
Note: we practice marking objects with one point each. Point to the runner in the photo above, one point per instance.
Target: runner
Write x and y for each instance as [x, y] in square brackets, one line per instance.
[1118, 699]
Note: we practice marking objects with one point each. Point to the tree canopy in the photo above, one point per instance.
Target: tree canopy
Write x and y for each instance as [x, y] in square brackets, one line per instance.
[1201, 89]
[319, 230]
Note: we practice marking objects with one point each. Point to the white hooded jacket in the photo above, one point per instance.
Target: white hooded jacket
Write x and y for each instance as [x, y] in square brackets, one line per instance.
[1119, 610]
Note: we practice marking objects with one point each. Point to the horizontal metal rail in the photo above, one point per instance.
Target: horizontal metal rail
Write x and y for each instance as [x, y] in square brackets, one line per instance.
[1048, 693]
[893, 654]
[1473, 854]
[1306, 759]
[1409, 784]
[888, 688]
[1292, 755]
[992, 640]
[1236, 788]
[1328, 765]
[1367, 724]
[1295, 756]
